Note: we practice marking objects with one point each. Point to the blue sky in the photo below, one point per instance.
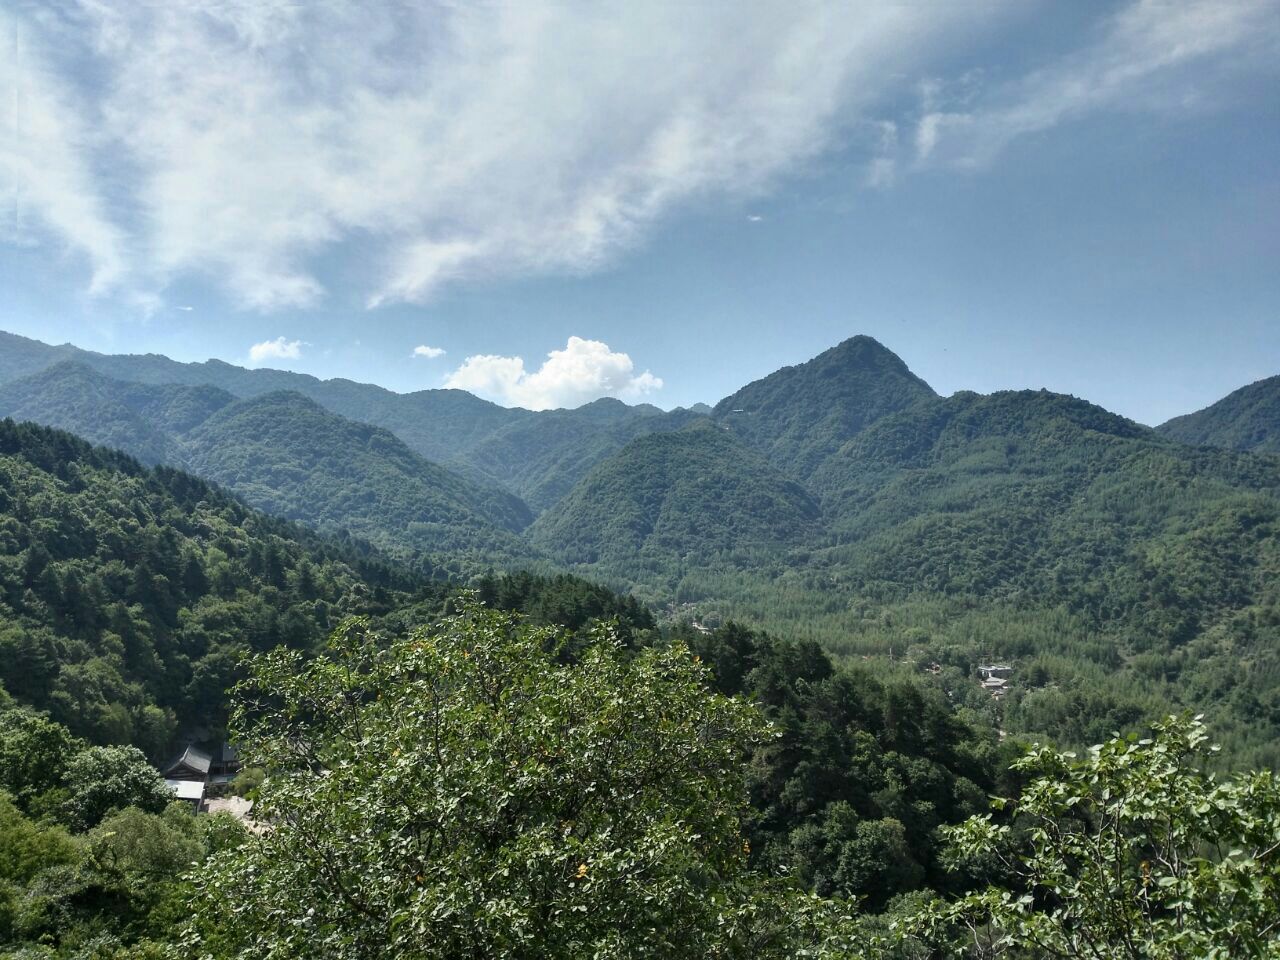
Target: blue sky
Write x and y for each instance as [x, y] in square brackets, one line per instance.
[659, 202]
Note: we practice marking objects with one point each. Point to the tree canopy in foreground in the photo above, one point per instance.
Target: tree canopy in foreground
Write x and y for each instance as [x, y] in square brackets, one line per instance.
[466, 792]
[1132, 852]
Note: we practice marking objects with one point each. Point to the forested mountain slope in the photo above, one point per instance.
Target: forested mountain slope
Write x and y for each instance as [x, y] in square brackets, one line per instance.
[673, 498]
[1247, 419]
[839, 499]
[536, 455]
[800, 415]
[542, 457]
[437, 424]
[289, 456]
[285, 454]
[128, 594]
[146, 421]
[1036, 498]
[1128, 573]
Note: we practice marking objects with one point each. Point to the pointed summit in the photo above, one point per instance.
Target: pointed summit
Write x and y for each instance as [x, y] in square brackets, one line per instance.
[800, 415]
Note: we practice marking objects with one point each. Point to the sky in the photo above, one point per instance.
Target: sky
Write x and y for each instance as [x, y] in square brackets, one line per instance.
[545, 203]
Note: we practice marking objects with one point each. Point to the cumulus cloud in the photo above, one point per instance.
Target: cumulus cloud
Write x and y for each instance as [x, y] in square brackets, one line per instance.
[277, 349]
[429, 353]
[1150, 55]
[584, 370]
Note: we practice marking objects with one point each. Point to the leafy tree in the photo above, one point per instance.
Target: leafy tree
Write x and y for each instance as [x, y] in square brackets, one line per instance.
[103, 779]
[463, 792]
[1132, 852]
[33, 752]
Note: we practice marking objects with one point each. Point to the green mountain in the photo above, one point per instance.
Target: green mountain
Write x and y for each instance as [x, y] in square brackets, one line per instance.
[285, 454]
[1126, 574]
[128, 594]
[1248, 419]
[143, 420]
[437, 424]
[800, 415]
[540, 458]
[1039, 498]
[672, 498]
[840, 500]
[289, 456]
[537, 456]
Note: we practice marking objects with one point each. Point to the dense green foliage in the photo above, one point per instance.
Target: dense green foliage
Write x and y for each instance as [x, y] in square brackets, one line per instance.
[289, 456]
[92, 850]
[671, 498]
[142, 420]
[850, 795]
[1247, 419]
[463, 792]
[468, 790]
[129, 595]
[1133, 853]
[1124, 574]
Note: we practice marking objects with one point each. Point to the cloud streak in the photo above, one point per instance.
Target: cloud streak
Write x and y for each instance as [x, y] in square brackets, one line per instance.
[584, 370]
[45, 144]
[1151, 55]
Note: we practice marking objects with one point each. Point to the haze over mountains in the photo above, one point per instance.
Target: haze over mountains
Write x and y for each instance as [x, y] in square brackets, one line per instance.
[840, 499]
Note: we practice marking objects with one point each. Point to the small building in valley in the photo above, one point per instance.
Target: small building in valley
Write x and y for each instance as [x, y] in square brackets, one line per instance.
[190, 764]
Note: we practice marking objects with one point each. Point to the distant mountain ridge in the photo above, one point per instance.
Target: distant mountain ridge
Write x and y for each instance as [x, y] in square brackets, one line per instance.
[482, 440]
[284, 453]
[1246, 419]
[674, 497]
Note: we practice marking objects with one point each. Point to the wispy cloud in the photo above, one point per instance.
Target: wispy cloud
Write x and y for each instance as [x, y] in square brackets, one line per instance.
[46, 151]
[277, 349]
[245, 141]
[429, 353]
[584, 370]
[1151, 55]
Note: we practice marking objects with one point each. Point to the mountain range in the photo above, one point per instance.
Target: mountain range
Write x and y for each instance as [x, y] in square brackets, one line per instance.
[840, 499]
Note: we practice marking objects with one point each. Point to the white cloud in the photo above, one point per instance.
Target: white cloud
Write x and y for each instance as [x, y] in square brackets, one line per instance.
[277, 349]
[250, 141]
[584, 370]
[429, 353]
[45, 146]
[1152, 55]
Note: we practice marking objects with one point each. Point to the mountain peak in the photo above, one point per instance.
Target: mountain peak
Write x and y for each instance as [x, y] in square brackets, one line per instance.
[800, 415]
